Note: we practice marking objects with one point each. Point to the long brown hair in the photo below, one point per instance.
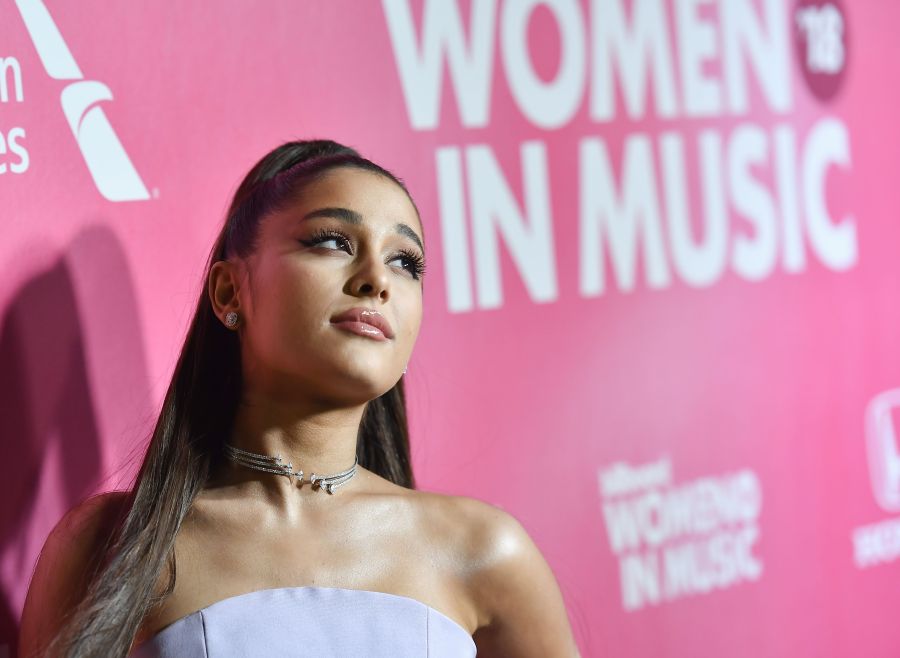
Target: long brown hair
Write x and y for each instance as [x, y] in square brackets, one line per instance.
[198, 411]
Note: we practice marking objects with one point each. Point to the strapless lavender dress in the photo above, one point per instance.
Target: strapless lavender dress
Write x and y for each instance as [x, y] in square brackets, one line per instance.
[321, 622]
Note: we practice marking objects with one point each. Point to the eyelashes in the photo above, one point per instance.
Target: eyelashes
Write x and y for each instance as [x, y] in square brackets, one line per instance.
[415, 261]
[418, 263]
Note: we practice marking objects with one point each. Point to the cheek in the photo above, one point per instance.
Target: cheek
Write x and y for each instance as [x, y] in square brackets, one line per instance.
[411, 316]
[290, 301]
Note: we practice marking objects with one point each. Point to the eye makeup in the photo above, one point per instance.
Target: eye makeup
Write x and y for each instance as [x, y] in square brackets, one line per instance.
[415, 261]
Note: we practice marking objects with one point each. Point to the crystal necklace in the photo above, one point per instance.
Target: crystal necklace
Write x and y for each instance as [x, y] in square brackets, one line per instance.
[275, 465]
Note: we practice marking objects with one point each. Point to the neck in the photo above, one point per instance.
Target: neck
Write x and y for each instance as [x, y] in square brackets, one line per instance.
[320, 441]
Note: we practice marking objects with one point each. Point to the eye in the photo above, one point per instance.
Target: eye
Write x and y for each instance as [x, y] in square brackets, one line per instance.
[415, 264]
[328, 235]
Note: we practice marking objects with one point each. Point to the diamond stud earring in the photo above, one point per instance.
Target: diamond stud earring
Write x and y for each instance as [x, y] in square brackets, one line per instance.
[231, 319]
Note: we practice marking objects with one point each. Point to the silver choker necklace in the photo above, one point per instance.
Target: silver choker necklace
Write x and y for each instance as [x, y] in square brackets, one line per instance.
[275, 465]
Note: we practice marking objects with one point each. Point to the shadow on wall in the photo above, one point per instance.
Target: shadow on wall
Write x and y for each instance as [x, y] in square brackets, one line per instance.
[73, 373]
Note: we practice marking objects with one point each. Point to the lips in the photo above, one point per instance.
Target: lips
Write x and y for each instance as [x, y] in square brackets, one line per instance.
[368, 318]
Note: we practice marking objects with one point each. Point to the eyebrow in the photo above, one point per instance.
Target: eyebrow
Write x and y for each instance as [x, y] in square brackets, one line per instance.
[353, 217]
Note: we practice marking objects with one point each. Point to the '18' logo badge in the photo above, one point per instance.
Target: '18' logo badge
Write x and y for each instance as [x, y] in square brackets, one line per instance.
[820, 35]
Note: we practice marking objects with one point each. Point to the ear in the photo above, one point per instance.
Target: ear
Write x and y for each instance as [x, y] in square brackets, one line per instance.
[223, 286]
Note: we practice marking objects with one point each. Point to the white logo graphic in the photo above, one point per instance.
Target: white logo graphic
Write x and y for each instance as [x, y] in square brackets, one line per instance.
[106, 159]
[881, 442]
[824, 28]
[879, 543]
[677, 540]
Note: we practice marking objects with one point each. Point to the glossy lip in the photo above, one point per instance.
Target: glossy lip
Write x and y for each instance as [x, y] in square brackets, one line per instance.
[368, 316]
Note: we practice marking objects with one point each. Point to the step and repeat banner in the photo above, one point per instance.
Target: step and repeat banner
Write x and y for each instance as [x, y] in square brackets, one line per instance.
[662, 313]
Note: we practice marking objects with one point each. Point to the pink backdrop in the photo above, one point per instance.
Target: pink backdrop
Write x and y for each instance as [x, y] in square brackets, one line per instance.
[662, 311]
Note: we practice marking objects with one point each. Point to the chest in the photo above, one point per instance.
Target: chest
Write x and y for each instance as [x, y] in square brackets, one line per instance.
[382, 550]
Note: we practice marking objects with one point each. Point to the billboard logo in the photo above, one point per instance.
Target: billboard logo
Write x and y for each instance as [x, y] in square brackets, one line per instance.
[103, 153]
[675, 540]
[882, 448]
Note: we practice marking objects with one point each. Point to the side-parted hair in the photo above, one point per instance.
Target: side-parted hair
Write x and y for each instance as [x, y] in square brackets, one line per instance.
[197, 416]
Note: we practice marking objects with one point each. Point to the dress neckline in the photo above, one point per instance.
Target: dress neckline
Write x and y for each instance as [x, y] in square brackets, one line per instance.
[455, 624]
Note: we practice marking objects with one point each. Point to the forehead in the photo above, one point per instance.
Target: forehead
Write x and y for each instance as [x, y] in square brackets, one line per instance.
[375, 198]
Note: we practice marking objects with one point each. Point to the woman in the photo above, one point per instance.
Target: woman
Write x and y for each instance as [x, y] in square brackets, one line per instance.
[291, 369]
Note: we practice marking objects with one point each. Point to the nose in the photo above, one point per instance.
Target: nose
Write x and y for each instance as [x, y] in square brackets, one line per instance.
[371, 279]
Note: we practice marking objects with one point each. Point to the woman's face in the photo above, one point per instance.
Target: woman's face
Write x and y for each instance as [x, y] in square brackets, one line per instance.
[351, 240]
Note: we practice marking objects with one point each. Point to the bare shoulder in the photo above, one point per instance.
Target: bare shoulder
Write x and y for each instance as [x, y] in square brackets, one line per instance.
[65, 562]
[93, 515]
[478, 526]
[520, 608]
